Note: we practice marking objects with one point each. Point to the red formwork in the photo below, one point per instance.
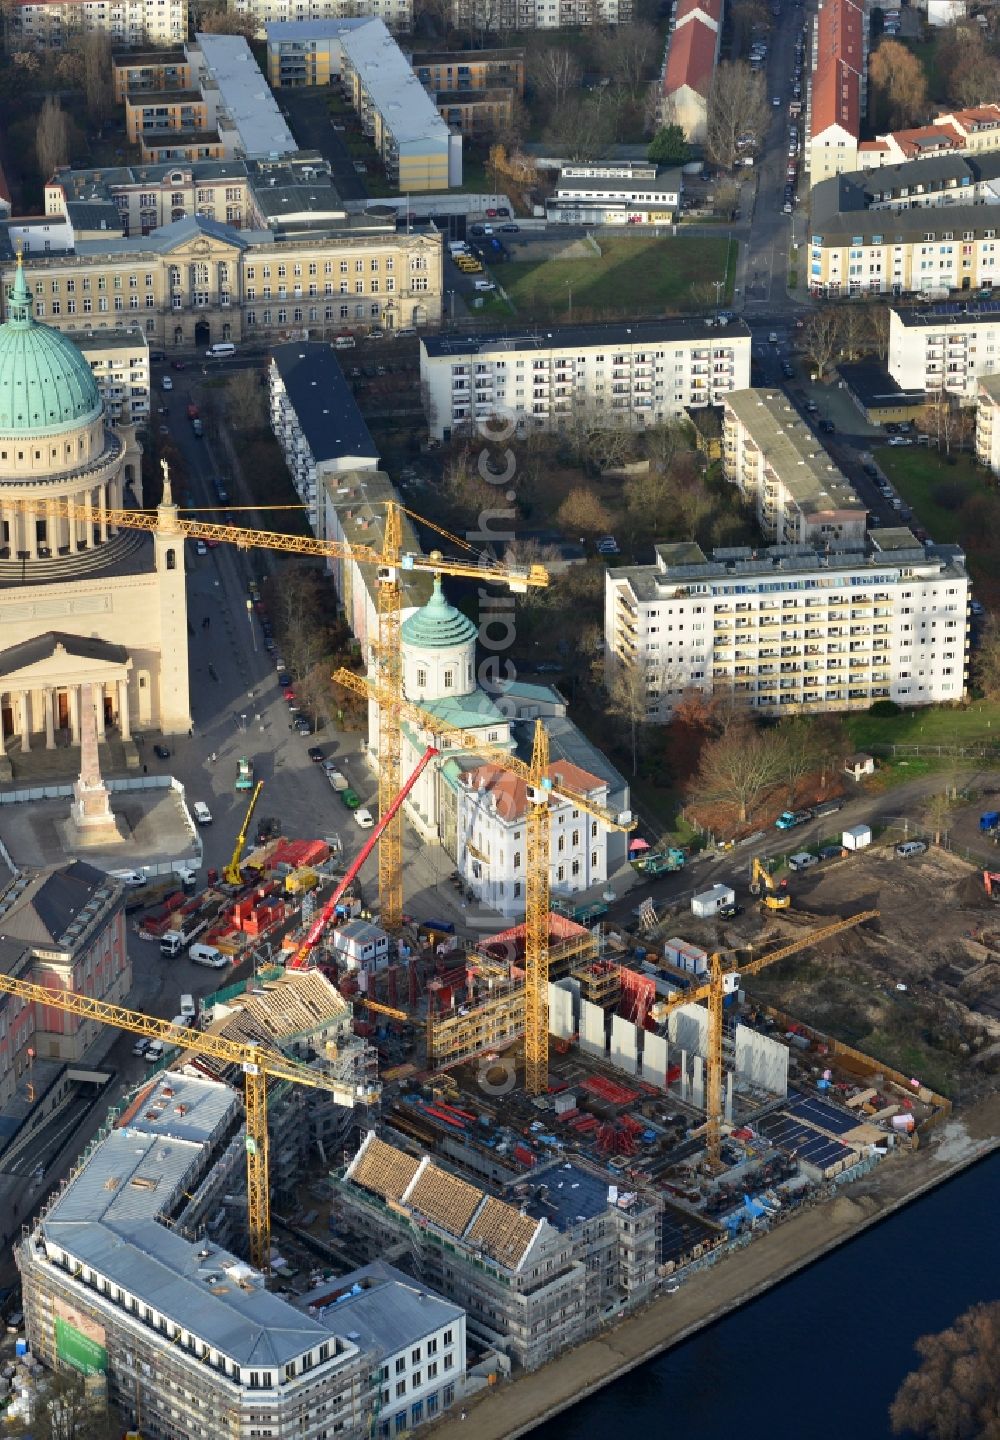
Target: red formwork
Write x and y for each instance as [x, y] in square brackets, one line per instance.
[608, 1090]
[638, 995]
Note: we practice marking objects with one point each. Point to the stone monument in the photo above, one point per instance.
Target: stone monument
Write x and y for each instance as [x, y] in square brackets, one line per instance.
[91, 823]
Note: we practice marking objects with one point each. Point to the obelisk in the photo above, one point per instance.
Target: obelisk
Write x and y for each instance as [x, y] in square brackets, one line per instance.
[91, 823]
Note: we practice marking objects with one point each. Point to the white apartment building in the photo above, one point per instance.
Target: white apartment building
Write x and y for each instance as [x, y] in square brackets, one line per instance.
[632, 374]
[492, 836]
[54, 24]
[316, 421]
[988, 423]
[948, 349]
[120, 362]
[800, 495]
[507, 15]
[792, 628]
[613, 200]
[397, 14]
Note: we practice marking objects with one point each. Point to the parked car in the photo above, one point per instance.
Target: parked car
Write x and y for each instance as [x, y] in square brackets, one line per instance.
[315, 754]
[729, 912]
[906, 848]
[351, 798]
[804, 860]
[141, 1046]
[364, 818]
[788, 819]
[161, 752]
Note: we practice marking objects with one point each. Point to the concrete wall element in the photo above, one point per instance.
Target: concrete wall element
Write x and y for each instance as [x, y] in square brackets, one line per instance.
[560, 1013]
[687, 1026]
[685, 1075]
[592, 1029]
[761, 1060]
[624, 1045]
[572, 987]
[698, 1083]
[654, 1060]
[727, 1108]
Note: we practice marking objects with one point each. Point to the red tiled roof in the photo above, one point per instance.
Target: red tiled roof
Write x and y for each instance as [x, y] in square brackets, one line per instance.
[836, 86]
[691, 61]
[945, 137]
[975, 115]
[511, 792]
[868, 147]
[712, 8]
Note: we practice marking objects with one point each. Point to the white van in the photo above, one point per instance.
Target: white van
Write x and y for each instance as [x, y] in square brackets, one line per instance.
[201, 812]
[188, 1008]
[154, 1052]
[208, 955]
[344, 342]
[485, 285]
[222, 351]
[131, 879]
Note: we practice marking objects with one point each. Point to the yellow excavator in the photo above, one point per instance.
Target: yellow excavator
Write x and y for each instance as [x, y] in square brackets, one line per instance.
[232, 874]
[762, 883]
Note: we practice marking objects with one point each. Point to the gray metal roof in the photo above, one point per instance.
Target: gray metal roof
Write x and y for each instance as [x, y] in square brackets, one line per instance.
[793, 452]
[623, 335]
[405, 106]
[55, 907]
[279, 30]
[392, 1312]
[246, 99]
[324, 402]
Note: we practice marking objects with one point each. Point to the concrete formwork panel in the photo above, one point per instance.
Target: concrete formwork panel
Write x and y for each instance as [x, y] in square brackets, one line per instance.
[727, 1108]
[572, 987]
[698, 1083]
[761, 1060]
[560, 1013]
[624, 1045]
[685, 1075]
[687, 1026]
[592, 1029]
[654, 1060]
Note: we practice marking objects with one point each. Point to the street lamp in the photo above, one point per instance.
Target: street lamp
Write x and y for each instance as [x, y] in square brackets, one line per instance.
[253, 632]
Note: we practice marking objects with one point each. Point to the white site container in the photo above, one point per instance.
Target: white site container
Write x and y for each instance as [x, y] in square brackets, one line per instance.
[857, 837]
[710, 902]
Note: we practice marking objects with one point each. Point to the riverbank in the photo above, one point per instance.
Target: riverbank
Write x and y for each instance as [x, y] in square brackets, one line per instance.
[515, 1408]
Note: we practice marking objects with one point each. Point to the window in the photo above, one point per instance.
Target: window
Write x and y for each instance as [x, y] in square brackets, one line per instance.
[400, 1388]
[401, 1365]
[449, 679]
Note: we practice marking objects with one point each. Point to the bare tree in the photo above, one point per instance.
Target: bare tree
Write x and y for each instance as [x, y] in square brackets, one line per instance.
[897, 77]
[244, 408]
[95, 49]
[737, 102]
[51, 138]
[955, 1392]
[627, 693]
[944, 420]
[649, 500]
[64, 1410]
[631, 50]
[554, 72]
[738, 769]
[584, 125]
[878, 321]
[986, 659]
[229, 22]
[855, 332]
[797, 753]
[937, 808]
[821, 338]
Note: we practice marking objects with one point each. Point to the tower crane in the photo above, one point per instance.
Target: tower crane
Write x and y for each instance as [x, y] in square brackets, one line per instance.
[723, 981]
[257, 1063]
[300, 960]
[390, 561]
[542, 789]
[231, 873]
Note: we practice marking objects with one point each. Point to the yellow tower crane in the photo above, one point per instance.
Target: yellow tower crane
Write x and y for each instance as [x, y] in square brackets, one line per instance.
[257, 1063]
[542, 789]
[232, 874]
[390, 562]
[725, 981]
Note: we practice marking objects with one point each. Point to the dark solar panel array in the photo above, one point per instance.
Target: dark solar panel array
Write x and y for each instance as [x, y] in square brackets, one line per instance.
[822, 1114]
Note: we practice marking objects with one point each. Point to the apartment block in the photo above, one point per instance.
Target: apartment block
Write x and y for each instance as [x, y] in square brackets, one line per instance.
[470, 70]
[534, 1275]
[63, 927]
[195, 281]
[949, 350]
[836, 97]
[416, 147]
[508, 15]
[794, 628]
[316, 421]
[689, 66]
[988, 423]
[120, 362]
[801, 497]
[396, 14]
[307, 52]
[631, 375]
[137, 70]
[855, 247]
[54, 25]
[185, 1333]
[974, 131]
[485, 113]
[612, 200]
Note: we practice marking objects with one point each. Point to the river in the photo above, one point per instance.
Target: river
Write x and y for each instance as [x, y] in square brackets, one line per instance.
[824, 1353]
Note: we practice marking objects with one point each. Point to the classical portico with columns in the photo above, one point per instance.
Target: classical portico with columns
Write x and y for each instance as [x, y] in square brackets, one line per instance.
[83, 601]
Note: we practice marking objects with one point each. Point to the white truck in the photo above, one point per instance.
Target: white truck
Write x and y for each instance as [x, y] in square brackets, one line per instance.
[174, 942]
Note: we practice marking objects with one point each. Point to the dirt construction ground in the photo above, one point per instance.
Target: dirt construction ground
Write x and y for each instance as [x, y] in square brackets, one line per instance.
[919, 988]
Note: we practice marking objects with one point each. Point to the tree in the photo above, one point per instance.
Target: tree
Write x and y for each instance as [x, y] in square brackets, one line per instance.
[583, 126]
[627, 693]
[583, 511]
[244, 409]
[97, 74]
[630, 50]
[855, 332]
[797, 753]
[944, 420]
[64, 1410]
[955, 1392]
[821, 337]
[986, 659]
[554, 72]
[668, 146]
[878, 322]
[971, 74]
[739, 768]
[649, 501]
[737, 103]
[898, 79]
[937, 808]
[229, 22]
[51, 138]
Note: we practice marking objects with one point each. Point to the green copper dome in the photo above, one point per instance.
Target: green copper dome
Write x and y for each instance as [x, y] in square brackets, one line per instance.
[46, 386]
[438, 625]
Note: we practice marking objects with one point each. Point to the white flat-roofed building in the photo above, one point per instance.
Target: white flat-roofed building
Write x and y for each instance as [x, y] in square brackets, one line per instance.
[945, 349]
[800, 495]
[55, 25]
[120, 362]
[615, 200]
[416, 147]
[631, 374]
[188, 1336]
[241, 106]
[988, 423]
[795, 628]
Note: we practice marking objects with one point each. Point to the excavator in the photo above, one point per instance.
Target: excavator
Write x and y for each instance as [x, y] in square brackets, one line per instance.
[773, 897]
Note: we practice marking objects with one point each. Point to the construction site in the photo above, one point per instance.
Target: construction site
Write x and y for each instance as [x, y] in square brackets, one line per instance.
[541, 1124]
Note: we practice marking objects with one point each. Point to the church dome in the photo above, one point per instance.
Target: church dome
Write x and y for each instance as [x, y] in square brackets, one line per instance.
[437, 625]
[46, 386]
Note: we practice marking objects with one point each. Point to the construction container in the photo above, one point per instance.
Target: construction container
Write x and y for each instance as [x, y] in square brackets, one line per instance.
[563, 1104]
[686, 956]
[904, 1124]
[857, 837]
[710, 902]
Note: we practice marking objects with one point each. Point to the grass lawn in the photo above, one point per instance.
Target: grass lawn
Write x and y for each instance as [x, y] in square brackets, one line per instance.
[924, 479]
[977, 723]
[634, 275]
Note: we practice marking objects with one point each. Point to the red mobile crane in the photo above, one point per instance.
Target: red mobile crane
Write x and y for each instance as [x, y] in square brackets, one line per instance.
[300, 960]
